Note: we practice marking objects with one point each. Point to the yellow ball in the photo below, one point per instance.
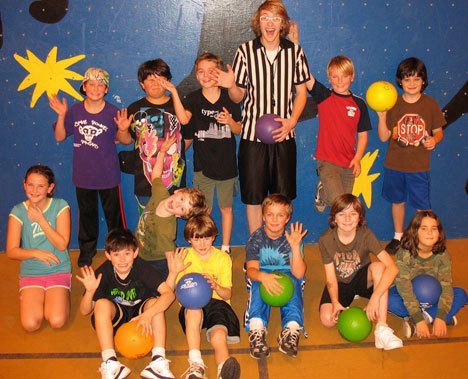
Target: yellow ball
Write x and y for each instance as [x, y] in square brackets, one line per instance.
[130, 342]
[381, 96]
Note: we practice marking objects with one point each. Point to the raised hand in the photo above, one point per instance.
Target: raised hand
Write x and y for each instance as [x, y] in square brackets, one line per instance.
[222, 78]
[122, 120]
[89, 279]
[60, 107]
[296, 235]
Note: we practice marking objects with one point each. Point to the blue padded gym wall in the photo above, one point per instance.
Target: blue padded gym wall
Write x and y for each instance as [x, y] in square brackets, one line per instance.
[46, 45]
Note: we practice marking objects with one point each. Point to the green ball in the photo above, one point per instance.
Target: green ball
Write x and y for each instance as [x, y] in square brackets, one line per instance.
[354, 325]
[284, 297]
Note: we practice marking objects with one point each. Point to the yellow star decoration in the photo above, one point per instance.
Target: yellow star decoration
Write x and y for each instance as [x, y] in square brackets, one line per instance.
[49, 76]
[363, 183]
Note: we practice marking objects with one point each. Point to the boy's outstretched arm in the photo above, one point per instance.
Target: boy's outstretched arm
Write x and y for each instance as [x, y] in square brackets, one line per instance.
[91, 284]
[61, 108]
[294, 238]
[182, 114]
[175, 261]
[159, 164]
[226, 79]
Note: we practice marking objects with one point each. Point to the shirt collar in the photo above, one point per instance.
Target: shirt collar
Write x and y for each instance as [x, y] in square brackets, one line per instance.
[284, 43]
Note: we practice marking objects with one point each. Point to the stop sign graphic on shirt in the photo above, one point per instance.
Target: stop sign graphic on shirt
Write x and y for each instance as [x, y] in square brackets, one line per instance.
[410, 130]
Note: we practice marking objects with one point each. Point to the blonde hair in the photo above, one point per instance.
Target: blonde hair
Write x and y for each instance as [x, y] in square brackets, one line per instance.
[210, 57]
[341, 63]
[197, 201]
[280, 199]
[276, 7]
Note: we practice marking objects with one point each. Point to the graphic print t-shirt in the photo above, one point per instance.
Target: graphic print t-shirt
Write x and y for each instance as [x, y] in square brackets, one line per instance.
[151, 124]
[140, 284]
[348, 259]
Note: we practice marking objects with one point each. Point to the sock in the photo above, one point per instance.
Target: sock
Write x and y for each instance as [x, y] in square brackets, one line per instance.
[225, 248]
[293, 325]
[398, 236]
[195, 356]
[256, 323]
[107, 354]
[155, 351]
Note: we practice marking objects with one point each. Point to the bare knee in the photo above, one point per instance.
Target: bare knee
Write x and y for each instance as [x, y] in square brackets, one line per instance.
[57, 321]
[31, 324]
[218, 336]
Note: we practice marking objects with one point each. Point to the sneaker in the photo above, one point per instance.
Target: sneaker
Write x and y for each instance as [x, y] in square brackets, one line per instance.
[258, 344]
[158, 368]
[392, 246]
[230, 369]
[320, 205]
[288, 341]
[409, 328]
[385, 339]
[453, 321]
[113, 369]
[196, 370]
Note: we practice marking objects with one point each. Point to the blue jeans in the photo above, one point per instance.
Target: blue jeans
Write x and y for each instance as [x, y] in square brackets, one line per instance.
[397, 306]
[292, 311]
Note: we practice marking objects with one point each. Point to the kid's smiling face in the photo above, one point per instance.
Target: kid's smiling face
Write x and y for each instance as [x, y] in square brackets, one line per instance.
[203, 69]
[270, 28]
[340, 81]
[94, 89]
[275, 218]
[178, 204]
[122, 260]
[36, 188]
[428, 233]
[347, 220]
[412, 85]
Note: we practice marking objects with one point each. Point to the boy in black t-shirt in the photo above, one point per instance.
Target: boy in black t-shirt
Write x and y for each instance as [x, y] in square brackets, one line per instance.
[126, 288]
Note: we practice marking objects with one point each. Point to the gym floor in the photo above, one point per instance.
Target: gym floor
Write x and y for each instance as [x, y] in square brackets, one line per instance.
[73, 352]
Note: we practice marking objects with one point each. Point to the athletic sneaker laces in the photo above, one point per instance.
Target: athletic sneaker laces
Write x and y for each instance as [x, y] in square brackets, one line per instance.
[113, 369]
[258, 344]
[320, 205]
[196, 370]
[385, 339]
[288, 341]
[158, 368]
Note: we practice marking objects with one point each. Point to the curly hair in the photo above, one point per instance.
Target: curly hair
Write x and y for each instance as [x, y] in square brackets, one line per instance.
[197, 201]
[344, 201]
[410, 240]
[276, 7]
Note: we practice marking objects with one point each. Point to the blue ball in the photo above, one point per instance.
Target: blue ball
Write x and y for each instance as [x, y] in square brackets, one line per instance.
[427, 290]
[193, 291]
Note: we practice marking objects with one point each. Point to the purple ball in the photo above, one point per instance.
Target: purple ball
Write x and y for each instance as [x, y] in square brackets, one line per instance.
[265, 125]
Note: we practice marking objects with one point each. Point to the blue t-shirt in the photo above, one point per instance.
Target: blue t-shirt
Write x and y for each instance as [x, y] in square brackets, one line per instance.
[33, 237]
[273, 255]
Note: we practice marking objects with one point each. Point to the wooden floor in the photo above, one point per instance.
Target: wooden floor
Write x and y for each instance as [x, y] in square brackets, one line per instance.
[73, 352]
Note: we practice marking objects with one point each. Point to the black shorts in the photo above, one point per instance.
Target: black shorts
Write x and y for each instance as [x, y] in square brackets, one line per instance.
[265, 169]
[347, 291]
[215, 314]
[123, 314]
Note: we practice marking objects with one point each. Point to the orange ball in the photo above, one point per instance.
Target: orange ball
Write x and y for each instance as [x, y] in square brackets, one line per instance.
[381, 96]
[131, 343]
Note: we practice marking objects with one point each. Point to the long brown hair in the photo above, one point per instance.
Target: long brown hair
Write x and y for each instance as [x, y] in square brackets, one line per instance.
[410, 240]
[344, 201]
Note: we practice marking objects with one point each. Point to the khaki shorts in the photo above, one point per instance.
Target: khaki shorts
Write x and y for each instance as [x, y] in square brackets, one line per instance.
[226, 189]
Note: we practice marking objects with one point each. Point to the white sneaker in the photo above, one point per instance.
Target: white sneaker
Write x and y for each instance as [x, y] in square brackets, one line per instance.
[385, 339]
[196, 370]
[158, 368]
[409, 328]
[112, 369]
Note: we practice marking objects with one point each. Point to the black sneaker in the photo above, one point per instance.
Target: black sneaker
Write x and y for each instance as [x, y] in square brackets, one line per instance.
[258, 344]
[393, 246]
[288, 341]
[230, 369]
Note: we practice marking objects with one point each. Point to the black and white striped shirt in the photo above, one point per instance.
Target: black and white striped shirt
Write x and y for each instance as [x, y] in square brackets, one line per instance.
[269, 86]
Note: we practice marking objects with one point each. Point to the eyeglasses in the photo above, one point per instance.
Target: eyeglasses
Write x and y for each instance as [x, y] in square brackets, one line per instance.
[275, 19]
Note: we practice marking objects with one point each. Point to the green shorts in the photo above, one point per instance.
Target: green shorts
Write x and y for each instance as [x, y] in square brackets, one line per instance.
[226, 189]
